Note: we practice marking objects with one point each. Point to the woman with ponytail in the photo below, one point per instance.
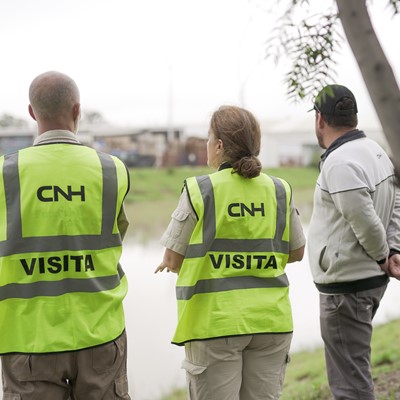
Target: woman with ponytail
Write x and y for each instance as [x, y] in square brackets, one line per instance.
[229, 241]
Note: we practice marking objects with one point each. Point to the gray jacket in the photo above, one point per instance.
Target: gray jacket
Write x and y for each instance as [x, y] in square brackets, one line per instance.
[356, 215]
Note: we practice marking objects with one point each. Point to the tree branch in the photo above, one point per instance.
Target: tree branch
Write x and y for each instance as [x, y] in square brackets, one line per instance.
[375, 69]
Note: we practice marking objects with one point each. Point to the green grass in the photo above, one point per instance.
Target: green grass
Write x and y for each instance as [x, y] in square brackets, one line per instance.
[306, 377]
[153, 196]
[155, 192]
[149, 184]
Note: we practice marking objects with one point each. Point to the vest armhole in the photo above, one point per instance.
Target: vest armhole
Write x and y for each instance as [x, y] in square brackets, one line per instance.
[190, 200]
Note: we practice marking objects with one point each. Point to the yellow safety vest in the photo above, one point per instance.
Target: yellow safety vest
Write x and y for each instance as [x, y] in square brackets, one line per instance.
[232, 281]
[61, 284]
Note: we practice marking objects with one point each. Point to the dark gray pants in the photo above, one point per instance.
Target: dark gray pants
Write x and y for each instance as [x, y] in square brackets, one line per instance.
[98, 373]
[346, 328]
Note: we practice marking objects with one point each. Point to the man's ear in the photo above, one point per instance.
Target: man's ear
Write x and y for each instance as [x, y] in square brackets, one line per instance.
[320, 121]
[31, 113]
[76, 111]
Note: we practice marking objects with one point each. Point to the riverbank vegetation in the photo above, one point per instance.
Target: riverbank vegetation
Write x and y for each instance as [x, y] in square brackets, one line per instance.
[155, 192]
[306, 377]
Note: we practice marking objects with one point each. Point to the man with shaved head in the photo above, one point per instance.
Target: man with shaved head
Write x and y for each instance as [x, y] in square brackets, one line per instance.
[62, 322]
[53, 97]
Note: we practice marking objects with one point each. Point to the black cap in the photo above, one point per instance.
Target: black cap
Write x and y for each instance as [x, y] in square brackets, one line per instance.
[329, 96]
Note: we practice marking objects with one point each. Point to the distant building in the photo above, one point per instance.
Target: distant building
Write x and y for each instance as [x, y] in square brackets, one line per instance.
[293, 142]
[283, 143]
[137, 147]
[13, 139]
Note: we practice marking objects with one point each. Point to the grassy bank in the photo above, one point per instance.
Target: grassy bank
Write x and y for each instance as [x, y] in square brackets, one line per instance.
[149, 184]
[306, 377]
[154, 194]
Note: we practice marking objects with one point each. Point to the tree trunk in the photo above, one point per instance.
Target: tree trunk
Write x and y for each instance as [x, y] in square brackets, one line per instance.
[375, 69]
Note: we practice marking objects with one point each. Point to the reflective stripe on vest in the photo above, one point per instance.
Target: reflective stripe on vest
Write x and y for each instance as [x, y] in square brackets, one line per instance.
[58, 288]
[15, 243]
[210, 243]
[230, 285]
[60, 293]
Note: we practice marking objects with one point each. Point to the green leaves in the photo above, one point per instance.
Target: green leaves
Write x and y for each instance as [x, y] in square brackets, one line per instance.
[395, 4]
[309, 45]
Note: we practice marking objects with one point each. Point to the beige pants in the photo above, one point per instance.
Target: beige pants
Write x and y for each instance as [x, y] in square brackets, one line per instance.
[250, 367]
[98, 373]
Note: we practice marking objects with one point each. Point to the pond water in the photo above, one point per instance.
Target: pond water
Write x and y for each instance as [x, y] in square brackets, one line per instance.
[154, 363]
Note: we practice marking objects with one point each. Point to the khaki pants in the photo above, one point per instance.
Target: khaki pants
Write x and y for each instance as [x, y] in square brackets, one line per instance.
[249, 367]
[98, 373]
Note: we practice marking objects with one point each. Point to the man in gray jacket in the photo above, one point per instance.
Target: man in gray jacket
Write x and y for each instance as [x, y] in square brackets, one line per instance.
[353, 241]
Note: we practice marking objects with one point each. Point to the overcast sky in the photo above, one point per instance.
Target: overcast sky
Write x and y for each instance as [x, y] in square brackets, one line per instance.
[152, 61]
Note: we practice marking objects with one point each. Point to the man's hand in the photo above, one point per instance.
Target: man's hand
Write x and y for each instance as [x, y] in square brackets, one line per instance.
[394, 266]
[385, 266]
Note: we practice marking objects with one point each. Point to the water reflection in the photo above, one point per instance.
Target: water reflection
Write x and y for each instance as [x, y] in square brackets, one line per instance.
[154, 363]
